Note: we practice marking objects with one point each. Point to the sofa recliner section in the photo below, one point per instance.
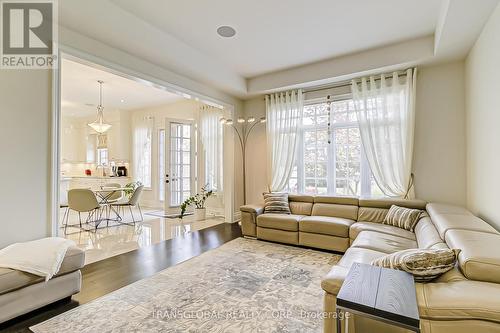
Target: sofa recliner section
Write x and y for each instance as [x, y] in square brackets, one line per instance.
[462, 300]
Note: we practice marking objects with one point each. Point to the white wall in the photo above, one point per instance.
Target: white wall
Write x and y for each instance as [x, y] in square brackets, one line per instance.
[25, 101]
[439, 156]
[482, 72]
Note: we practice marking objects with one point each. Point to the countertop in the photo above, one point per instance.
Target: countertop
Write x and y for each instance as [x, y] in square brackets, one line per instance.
[94, 177]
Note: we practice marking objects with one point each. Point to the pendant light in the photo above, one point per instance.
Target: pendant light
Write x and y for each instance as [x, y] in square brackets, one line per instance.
[99, 125]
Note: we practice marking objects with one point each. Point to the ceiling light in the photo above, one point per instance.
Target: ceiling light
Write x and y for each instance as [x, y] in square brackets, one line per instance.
[222, 120]
[99, 125]
[251, 119]
[229, 122]
[226, 31]
[241, 120]
[263, 120]
[122, 101]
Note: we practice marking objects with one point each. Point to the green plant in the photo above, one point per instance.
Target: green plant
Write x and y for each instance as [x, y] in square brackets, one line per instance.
[198, 200]
[130, 188]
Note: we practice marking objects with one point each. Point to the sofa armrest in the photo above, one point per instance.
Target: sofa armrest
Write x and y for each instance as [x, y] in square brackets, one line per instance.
[249, 215]
[256, 209]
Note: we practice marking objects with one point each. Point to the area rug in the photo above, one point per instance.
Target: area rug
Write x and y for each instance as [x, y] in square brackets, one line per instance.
[245, 285]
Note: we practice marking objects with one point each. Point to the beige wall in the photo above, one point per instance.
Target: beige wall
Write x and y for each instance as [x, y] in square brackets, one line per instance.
[439, 146]
[25, 104]
[439, 156]
[25, 138]
[482, 72]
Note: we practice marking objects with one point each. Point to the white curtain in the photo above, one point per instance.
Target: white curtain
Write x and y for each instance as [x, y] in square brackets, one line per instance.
[212, 141]
[386, 115]
[284, 113]
[143, 130]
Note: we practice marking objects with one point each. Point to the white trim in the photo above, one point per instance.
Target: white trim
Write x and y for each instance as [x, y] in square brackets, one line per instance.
[236, 217]
[97, 62]
[54, 176]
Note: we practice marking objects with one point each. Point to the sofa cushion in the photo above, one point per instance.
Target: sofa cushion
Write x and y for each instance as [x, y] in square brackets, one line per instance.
[326, 225]
[357, 227]
[11, 279]
[424, 264]
[480, 256]
[332, 282]
[372, 214]
[459, 300]
[388, 202]
[276, 203]
[300, 208]
[382, 242]
[335, 210]
[445, 222]
[426, 233]
[438, 208]
[289, 222]
[402, 217]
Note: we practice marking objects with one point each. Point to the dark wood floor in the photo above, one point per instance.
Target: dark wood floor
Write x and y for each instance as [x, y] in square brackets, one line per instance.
[105, 276]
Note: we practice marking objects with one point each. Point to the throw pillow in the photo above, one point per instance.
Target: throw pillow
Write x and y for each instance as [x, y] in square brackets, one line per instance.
[402, 217]
[276, 203]
[424, 264]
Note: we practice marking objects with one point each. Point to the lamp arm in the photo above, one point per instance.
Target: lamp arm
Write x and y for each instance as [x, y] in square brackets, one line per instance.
[242, 143]
[247, 133]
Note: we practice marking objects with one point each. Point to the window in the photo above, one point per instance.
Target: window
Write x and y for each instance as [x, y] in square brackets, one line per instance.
[102, 156]
[338, 168]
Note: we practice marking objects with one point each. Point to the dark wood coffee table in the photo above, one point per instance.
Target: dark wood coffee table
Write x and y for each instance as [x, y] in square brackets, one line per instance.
[382, 294]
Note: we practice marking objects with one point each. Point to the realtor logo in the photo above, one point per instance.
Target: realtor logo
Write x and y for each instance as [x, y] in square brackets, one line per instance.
[28, 36]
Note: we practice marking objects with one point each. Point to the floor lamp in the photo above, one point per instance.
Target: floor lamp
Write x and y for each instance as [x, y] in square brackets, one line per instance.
[243, 136]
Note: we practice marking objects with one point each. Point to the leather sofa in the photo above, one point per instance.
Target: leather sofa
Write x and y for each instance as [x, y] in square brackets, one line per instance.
[464, 299]
[22, 292]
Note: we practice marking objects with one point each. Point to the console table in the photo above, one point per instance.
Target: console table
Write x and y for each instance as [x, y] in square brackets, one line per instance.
[382, 294]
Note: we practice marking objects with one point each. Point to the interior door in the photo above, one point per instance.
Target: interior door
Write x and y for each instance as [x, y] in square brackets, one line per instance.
[180, 159]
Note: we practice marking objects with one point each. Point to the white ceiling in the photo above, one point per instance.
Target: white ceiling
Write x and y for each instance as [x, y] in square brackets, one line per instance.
[280, 43]
[273, 35]
[80, 91]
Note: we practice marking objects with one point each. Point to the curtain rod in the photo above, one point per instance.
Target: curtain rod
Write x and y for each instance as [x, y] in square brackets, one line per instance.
[346, 83]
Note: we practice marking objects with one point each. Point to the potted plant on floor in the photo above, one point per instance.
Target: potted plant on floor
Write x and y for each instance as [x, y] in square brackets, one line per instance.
[198, 201]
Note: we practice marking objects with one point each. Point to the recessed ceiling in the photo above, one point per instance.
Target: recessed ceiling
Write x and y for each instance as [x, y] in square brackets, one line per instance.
[273, 35]
[80, 91]
[278, 44]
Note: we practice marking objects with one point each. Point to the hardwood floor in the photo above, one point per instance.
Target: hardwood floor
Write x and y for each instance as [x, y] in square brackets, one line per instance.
[103, 277]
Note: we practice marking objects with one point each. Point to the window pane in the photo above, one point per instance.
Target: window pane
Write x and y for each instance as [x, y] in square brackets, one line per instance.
[334, 168]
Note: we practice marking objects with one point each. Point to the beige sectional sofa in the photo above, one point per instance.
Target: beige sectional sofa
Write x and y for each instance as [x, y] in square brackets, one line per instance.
[465, 299]
[22, 292]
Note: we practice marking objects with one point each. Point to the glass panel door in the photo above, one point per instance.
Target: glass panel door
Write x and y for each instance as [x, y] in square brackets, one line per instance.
[180, 156]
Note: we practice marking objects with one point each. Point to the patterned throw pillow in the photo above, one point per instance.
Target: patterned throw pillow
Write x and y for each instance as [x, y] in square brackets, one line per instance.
[276, 203]
[402, 217]
[424, 264]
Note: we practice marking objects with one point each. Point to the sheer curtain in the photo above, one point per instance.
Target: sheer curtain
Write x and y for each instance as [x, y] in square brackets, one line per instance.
[212, 141]
[143, 130]
[283, 112]
[386, 115]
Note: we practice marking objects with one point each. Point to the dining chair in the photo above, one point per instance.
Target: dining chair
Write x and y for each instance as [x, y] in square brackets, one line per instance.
[84, 201]
[112, 197]
[132, 202]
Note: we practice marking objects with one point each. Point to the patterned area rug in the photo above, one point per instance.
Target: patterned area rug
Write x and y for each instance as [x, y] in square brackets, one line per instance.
[245, 285]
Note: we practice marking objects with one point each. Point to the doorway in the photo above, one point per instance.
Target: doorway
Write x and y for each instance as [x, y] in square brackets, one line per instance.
[173, 142]
[180, 161]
